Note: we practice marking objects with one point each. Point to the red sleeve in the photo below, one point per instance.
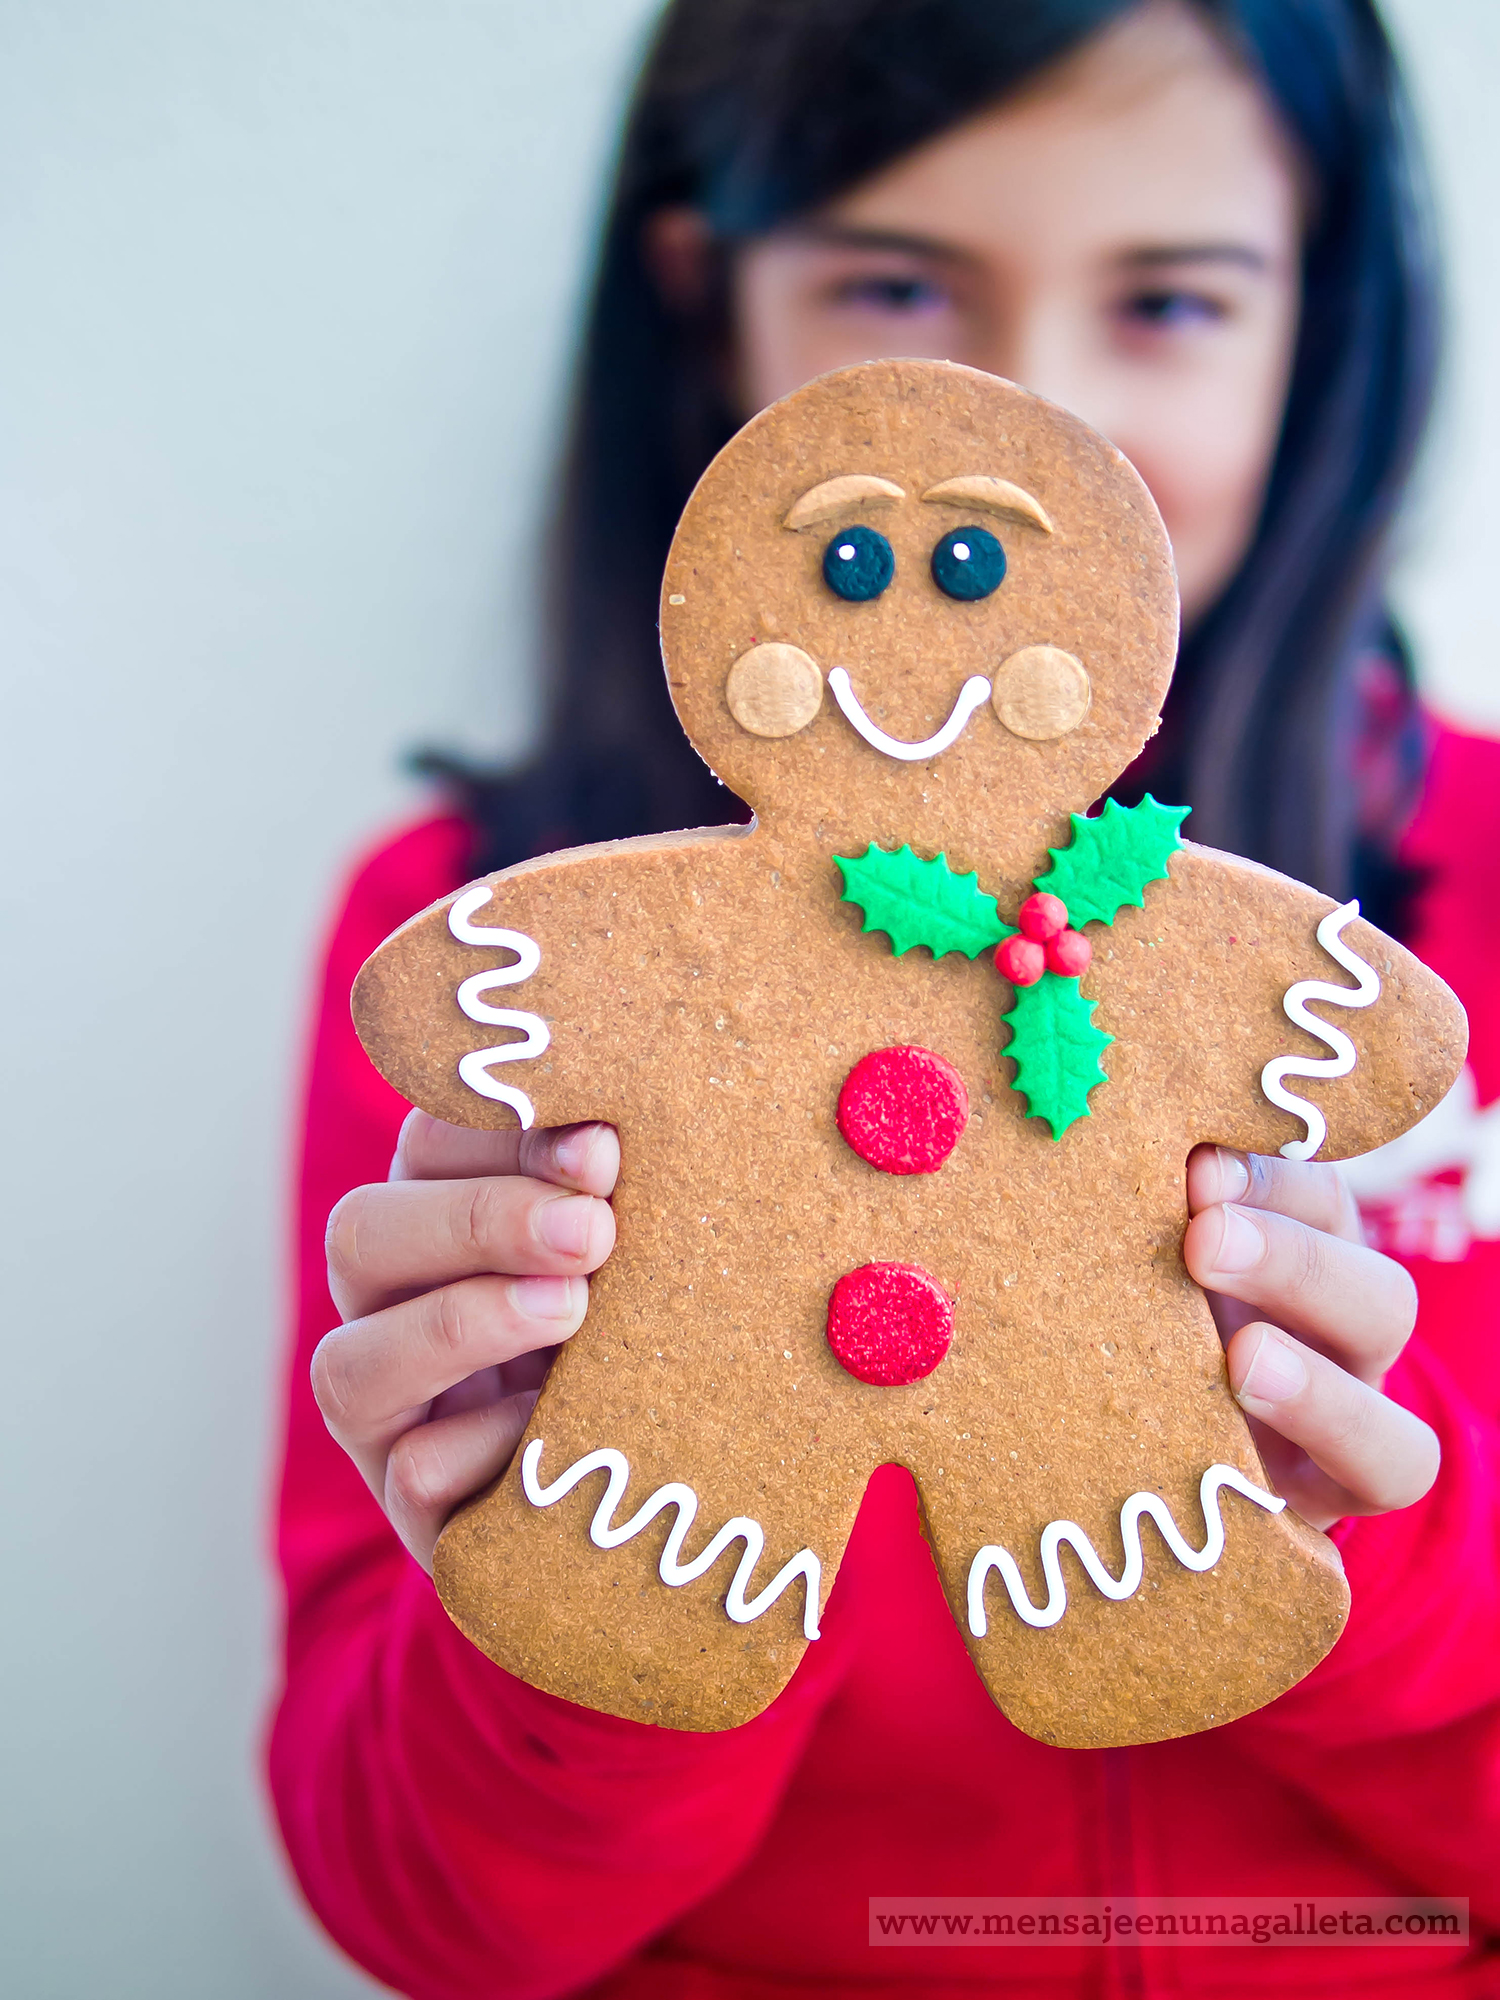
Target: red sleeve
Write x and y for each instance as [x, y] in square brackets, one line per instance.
[1396, 1735]
[456, 1831]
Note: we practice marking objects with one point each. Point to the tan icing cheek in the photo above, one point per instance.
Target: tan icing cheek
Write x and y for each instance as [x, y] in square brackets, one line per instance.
[774, 690]
[1041, 693]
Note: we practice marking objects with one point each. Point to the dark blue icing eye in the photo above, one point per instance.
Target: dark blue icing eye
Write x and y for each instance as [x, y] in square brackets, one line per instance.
[858, 564]
[968, 564]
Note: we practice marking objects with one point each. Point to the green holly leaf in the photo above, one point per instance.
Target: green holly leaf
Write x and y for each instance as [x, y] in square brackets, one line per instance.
[1056, 1049]
[921, 902]
[1111, 859]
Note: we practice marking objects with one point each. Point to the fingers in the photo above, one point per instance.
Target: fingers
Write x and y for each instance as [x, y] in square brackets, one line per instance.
[389, 1241]
[583, 1157]
[435, 1467]
[1354, 1304]
[1302, 1189]
[375, 1378]
[1369, 1455]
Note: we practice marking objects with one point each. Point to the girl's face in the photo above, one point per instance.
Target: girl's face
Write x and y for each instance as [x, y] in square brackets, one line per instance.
[1123, 239]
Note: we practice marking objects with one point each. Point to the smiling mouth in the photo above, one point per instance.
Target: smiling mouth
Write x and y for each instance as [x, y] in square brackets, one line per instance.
[973, 694]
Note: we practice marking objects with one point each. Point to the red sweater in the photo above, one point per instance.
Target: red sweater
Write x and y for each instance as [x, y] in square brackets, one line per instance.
[461, 1834]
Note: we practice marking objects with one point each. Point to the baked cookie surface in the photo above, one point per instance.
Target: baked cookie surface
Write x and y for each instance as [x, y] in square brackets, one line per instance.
[879, 1202]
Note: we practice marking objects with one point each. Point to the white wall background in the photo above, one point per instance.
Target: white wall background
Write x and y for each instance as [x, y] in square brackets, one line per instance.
[285, 297]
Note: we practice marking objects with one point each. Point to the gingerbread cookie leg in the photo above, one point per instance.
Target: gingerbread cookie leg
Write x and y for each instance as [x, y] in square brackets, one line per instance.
[673, 1570]
[1116, 1595]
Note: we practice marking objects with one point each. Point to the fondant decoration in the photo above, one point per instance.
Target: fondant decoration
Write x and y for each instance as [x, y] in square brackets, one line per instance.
[997, 496]
[1341, 1060]
[858, 564]
[1042, 693]
[671, 1569]
[968, 564]
[921, 902]
[834, 499]
[993, 1558]
[1021, 960]
[903, 1110]
[974, 693]
[1056, 1049]
[474, 1067]
[889, 1324]
[1107, 864]
[774, 690]
[1069, 954]
[1042, 917]
[709, 993]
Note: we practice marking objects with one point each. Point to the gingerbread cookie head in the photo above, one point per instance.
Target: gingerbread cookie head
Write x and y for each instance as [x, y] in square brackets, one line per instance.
[919, 559]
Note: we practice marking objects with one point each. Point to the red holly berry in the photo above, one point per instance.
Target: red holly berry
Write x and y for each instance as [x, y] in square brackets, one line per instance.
[903, 1110]
[1021, 960]
[889, 1324]
[1069, 954]
[1042, 916]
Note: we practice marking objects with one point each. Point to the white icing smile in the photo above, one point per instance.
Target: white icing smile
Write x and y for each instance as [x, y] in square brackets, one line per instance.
[973, 694]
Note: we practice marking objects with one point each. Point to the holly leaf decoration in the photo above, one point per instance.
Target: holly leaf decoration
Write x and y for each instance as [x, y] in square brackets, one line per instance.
[1056, 1048]
[921, 902]
[1111, 859]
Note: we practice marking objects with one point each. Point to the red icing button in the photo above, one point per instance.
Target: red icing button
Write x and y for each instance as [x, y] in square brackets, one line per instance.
[889, 1324]
[903, 1110]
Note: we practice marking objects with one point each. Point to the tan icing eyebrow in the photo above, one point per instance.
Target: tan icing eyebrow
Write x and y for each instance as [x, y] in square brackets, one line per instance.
[824, 503]
[997, 496]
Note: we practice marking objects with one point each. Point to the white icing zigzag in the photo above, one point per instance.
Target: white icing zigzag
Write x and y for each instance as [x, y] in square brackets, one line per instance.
[473, 1069]
[1341, 1061]
[1056, 1532]
[672, 1571]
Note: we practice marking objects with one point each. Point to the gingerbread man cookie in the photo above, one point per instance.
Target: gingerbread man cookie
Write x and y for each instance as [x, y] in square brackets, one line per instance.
[906, 1075]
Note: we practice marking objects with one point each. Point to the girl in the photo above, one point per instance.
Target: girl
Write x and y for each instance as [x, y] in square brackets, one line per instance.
[1193, 222]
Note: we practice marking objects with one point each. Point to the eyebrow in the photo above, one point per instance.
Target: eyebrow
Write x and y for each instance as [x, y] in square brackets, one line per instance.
[852, 236]
[995, 496]
[1148, 257]
[1158, 256]
[831, 497]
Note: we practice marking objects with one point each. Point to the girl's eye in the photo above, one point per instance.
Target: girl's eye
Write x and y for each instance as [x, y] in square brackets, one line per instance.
[893, 294]
[968, 564]
[1172, 309]
[858, 564]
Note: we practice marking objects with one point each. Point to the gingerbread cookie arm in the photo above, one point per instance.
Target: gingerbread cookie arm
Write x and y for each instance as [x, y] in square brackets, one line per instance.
[484, 1009]
[1315, 1034]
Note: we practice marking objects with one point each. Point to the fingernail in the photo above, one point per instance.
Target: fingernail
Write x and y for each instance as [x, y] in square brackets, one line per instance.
[1236, 1175]
[543, 1298]
[1241, 1244]
[567, 1224]
[571, 1151]
[1276, 1373]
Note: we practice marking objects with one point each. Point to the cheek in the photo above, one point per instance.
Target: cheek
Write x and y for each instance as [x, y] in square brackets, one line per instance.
[1205, 452]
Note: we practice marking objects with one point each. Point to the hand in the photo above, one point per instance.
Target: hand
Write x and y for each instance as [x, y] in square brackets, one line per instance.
[1283, 1237]
[457, 1281]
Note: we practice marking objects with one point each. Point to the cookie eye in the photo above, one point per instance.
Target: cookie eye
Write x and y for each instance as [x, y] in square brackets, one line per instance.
[968, 564]
[858, 564]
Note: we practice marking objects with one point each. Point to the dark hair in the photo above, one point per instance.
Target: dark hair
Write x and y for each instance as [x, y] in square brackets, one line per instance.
[757, 111]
